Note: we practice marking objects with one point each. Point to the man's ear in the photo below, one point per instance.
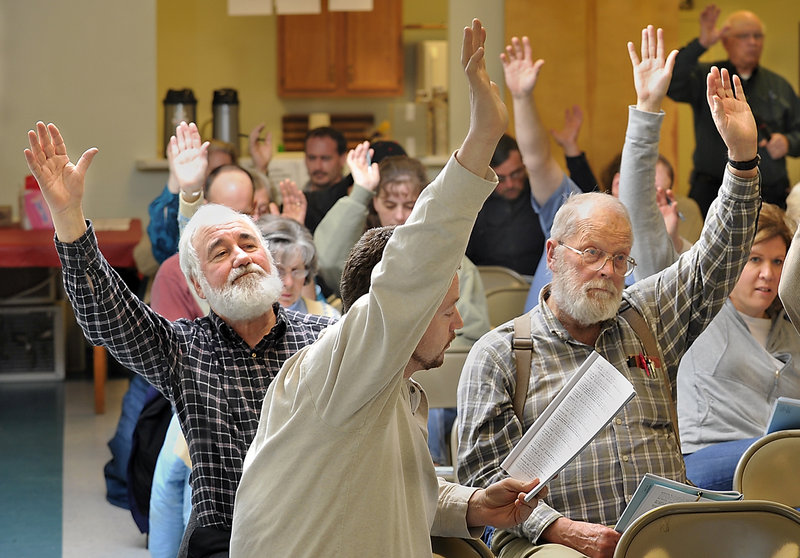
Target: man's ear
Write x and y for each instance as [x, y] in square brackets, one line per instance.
[198, 289]
[550, 250]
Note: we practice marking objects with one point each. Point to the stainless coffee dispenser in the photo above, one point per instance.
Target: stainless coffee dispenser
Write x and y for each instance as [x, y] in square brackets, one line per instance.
[179, 106]
[225, 109]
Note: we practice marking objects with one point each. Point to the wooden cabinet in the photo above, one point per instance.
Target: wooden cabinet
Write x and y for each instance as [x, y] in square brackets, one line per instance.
[342, 54]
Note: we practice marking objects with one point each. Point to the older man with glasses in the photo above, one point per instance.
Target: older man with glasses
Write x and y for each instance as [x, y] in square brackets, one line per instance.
[584, 309]
[774, 103]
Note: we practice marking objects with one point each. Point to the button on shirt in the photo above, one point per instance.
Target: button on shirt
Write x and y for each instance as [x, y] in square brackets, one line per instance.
[677, 304]
[213, 378]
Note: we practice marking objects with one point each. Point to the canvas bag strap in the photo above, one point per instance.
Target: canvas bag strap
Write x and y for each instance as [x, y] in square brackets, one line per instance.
[523, 353]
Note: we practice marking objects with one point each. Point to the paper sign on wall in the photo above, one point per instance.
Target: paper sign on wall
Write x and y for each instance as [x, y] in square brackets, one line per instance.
[350, 5]
[249, 7]
[293, 7]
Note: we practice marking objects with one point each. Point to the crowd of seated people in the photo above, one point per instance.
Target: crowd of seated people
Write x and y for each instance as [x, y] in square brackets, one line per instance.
[726, 347]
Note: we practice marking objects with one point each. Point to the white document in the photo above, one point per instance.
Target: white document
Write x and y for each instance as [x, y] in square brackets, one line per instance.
[583, 407]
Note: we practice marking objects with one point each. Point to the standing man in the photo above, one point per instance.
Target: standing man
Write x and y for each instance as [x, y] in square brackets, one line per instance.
[325, 150]
[215, 370]
[774, 103]
[579, 312]
[507, 230]
[340, 466]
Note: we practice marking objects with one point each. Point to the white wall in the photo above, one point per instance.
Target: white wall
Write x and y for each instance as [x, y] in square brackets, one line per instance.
[89, 67]
[460, 14]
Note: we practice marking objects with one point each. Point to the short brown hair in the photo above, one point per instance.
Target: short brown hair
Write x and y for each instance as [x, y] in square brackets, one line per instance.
[394, 170]
[363, 258]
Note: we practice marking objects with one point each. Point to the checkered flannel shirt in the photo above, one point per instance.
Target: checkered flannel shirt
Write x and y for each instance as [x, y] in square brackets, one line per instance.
[213, 378]
[678, 304]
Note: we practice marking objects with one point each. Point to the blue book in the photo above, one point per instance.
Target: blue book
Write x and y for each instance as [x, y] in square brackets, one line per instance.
[654, 491]
[785, 415]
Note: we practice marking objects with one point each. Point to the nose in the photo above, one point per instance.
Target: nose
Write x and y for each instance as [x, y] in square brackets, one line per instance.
[241, 257]
[610, 268]
[457, 322]
[766, 271]
[400, 216]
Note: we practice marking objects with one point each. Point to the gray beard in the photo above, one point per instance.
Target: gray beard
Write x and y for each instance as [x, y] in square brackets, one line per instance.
[249, 297]
[570, 295]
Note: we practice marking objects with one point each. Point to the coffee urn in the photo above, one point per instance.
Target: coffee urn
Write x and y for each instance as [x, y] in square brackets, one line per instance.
[225, 109]
[180, 105]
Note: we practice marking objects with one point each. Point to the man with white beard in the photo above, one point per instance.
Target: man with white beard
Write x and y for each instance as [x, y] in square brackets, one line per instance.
[215, 370]
[588, 253]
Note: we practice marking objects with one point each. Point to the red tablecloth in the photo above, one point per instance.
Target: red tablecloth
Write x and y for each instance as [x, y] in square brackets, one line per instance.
[35, 248]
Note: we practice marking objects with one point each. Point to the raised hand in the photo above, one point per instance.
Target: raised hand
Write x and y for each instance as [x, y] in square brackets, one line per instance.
[732, 114]
[669, 211]
[260, 150]
[567, 137]
[652, 73]
[364, 174]
[488, 114]
[520, 71]
[189, 159]
[61, 181]
[294, 202]
[709, 34]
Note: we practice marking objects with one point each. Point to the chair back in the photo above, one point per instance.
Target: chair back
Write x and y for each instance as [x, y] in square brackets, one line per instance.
[770, 469]
[441, 384]
[496, 276]
[441, 388]
[452, 547]
[745, 528]
[506, 303]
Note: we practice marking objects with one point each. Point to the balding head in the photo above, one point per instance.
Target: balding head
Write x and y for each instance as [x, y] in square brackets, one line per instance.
[744, 40]
[231, 186]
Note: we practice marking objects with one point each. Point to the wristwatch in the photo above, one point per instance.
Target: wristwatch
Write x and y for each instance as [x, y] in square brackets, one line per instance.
[745, 165]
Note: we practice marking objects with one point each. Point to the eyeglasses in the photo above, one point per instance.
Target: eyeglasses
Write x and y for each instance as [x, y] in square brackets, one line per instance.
[295, 273]
[623, 265]
[745, 36]
[518, 174]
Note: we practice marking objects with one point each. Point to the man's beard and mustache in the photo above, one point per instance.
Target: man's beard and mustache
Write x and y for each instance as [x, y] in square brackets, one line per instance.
[245, 299]
[434, 362]
[572, 297]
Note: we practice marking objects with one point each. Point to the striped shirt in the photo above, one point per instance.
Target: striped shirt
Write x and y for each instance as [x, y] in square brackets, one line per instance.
[677, 304]
[213, 378]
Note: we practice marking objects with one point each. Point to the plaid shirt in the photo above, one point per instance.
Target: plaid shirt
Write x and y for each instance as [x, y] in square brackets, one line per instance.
[678, 304]
[213, 378]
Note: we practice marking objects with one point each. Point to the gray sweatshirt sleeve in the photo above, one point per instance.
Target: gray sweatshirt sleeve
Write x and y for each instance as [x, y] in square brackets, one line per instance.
[652, 246]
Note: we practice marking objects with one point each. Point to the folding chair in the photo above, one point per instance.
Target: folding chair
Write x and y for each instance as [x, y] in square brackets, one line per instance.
[744, 528]
[770, 469]
[497, 276]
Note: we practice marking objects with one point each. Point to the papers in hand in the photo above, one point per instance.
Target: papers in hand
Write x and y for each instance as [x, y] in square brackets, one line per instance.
[785, 415]
[654, 491]
[586, 404]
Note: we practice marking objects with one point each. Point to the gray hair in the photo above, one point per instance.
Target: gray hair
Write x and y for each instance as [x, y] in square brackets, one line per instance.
[282, 235]
[207, 216]
[578, 208]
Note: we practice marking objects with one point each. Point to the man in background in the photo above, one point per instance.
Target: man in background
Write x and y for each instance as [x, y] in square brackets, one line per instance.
[325, 155]
[774, 103]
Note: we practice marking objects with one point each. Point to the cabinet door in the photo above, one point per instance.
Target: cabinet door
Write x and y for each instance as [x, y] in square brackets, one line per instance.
[307, 57]
[373, 50]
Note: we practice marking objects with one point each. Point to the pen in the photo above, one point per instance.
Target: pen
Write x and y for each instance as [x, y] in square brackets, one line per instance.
[369, 162]
[680, 213]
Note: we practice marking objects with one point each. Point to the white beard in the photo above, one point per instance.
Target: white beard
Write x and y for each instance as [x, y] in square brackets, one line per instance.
[247, 298]
[572, 297]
